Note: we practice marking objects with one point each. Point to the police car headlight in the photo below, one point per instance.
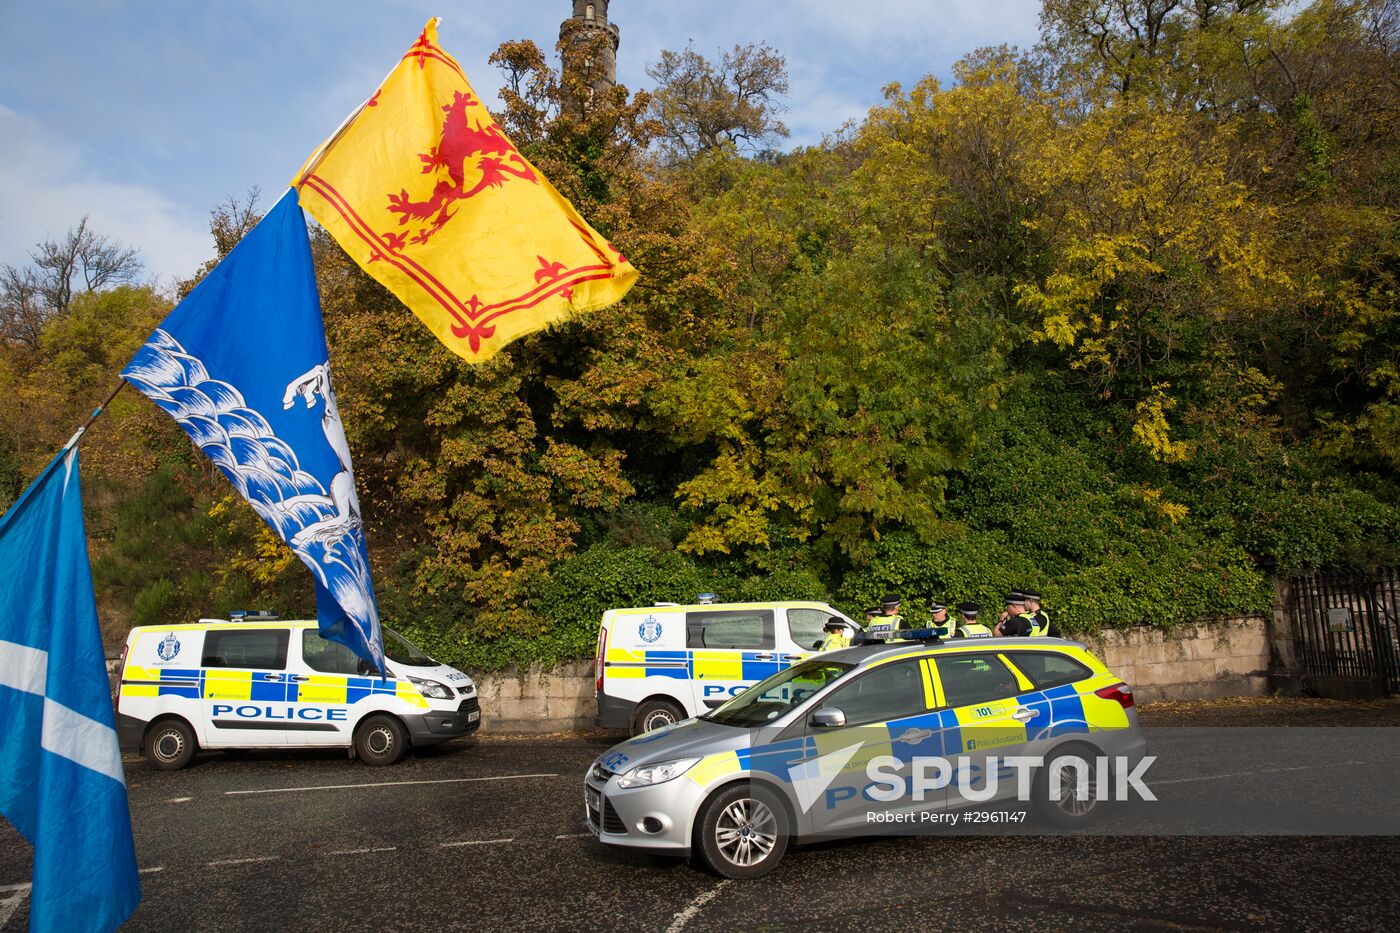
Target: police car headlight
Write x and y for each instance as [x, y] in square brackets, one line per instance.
[431, 689]
[656, 774]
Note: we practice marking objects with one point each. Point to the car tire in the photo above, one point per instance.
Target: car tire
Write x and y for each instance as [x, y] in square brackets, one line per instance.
[380, 740]
[656, 714]
[1068, 811]
[743, 831]
[169, 745]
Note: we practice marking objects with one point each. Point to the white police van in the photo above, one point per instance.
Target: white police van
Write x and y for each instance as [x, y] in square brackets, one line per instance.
[664, 663]
[260, 682]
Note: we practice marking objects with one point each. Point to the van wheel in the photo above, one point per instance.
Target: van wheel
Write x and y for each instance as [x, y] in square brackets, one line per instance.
[1068, 809]
[381, 740]
[743, 831]
[655, 714]
[170, 745]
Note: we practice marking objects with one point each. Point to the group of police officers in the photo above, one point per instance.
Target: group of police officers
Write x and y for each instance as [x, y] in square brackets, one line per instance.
[1022, 617]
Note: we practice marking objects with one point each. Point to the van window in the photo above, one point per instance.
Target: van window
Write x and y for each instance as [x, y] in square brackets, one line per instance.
[1049, 668]
[263, 649]
[891, 691]
[329, 657]
[806, 625]
[975, 678]
[729, 628]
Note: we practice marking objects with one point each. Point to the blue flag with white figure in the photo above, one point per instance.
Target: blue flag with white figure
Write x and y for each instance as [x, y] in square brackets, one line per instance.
[242, 365]
[61, 781]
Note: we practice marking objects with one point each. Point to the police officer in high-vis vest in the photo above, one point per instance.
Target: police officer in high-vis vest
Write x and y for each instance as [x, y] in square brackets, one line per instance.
[968, 626]
[938, 620]
[889, 613]
[1012, 622]
[837, 636]
[1039, 618]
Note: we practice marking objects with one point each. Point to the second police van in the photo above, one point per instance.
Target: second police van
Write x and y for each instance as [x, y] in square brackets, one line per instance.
[660, 664]
[259, 682]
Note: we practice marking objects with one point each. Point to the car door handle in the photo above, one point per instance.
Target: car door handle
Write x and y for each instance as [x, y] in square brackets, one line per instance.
[298, 678]
[1023, 715]
[764, 656]
[793, 657]
[272, 677]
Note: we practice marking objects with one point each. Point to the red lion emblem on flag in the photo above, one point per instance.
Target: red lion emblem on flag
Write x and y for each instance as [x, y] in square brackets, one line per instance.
[494, 159]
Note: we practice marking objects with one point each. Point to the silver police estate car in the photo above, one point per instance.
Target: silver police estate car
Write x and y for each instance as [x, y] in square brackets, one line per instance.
[871, 738]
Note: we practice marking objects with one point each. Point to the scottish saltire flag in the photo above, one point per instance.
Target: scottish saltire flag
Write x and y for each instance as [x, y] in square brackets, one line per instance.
[423, 190]
[242, 364]
[61, 781]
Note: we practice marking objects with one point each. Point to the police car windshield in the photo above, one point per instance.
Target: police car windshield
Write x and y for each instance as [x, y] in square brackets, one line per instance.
[402, 651]
[766, 701]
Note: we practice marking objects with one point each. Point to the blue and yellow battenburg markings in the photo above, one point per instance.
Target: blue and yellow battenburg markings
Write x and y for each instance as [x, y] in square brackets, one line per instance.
[226, 684]
[697, 664]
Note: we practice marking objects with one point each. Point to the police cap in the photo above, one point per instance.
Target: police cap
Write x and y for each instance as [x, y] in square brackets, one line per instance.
[890, 601]
[1031, 594]
[936, 607]
[969, 609]
[1015, 596]
[834, 623]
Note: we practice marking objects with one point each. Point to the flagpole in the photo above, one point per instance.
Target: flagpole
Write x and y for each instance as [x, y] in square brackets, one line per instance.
[73, 441]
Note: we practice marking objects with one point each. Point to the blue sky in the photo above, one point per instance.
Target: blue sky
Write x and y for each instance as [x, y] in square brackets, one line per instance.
[146, 113]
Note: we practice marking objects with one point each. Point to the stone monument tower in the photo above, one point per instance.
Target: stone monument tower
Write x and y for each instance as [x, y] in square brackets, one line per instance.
[593, 14]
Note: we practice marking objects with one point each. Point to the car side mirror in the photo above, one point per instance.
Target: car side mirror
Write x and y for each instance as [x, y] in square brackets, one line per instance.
[829, 718]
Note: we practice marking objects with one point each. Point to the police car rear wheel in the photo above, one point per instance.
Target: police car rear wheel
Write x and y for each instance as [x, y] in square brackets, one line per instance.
[381, 741]
[743, 832]
[170, 745]
[1069, 805]
[656, 714]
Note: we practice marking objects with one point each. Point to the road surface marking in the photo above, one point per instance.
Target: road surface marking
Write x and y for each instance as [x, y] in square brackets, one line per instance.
[1217, 777]
[363, 851]
[476, 842]
[152, 871]
[572, 835]
[179, 800]
[685, 916]
[8, 905]
[242, 861]
[293, 790]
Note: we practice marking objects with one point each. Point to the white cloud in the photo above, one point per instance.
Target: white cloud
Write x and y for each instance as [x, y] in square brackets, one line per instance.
[45, 188]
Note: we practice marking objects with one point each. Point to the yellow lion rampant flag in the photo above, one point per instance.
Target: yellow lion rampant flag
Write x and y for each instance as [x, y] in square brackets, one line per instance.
[427, 194]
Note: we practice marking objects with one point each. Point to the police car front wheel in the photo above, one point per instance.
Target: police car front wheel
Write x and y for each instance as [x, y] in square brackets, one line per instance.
[743, 831]
[170, 745]
[381, 740]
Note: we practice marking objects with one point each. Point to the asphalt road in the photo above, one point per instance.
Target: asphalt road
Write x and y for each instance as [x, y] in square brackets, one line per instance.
[487, 835]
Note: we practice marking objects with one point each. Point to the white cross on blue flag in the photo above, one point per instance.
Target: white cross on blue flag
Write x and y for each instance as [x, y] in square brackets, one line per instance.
[242, 365]
[61, 781]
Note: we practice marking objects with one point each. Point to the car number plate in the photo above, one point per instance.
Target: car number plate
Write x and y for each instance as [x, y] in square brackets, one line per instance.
[474, 715]
[595, 799]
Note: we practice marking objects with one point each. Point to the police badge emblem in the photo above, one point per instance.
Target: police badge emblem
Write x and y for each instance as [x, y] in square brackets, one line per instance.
[168, 648]
[649, 630]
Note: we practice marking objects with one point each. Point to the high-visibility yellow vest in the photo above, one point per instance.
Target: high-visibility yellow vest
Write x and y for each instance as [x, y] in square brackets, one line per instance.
[1040, 623]
[973, 630]
[835, 641]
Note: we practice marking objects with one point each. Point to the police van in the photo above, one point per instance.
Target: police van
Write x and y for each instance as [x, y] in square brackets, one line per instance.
[259, 682]
[660, 664]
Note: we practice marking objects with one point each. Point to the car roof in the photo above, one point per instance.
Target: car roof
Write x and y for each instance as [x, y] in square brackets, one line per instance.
[226, 624]
[868, 653]
[768, 604]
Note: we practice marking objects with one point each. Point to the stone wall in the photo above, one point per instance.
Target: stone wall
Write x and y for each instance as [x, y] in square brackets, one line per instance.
[1230, 657]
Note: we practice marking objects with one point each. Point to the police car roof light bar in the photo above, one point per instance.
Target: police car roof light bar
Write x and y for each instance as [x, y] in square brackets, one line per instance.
[879, 634]
[253, 615]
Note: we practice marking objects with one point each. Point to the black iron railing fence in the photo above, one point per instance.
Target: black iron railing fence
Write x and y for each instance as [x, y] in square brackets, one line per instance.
[1345, 624]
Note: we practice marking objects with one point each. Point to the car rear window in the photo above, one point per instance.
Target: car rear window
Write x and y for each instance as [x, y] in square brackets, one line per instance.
[1049, 668]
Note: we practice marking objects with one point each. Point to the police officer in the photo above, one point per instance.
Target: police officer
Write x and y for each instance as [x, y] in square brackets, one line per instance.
[837, 637]
[938, 620]
[1013, 622]
[889, 613]
[1039, 618]
[968, 626]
